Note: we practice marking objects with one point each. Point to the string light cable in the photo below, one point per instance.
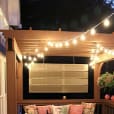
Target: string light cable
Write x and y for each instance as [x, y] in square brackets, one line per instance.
[74, 40]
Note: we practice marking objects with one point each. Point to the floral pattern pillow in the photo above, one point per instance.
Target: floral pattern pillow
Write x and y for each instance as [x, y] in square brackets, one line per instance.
[30, 109]
[89, 108]
[63, 109]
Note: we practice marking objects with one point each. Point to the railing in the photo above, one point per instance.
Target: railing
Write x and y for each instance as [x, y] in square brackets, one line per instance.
[108, 107]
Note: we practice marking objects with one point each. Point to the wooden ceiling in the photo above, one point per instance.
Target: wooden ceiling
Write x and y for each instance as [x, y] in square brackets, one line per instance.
[29, 40]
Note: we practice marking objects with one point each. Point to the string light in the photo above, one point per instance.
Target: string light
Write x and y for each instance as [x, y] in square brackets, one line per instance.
[24, 56]
[29, 58]
[46, 49]
[57, 45]
[74, 41]
[99, 49]
[82, 37]
[92, 31]
[26, 64]
[106, 22]
[36, 50]
[34, 59]
[49, 43]
[66, 43]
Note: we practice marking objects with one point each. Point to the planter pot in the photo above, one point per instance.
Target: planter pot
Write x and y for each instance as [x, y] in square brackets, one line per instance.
[107, 96]
[112, 97]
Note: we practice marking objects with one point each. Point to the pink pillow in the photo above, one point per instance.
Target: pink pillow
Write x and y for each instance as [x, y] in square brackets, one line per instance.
[44, 109]
[76, 109]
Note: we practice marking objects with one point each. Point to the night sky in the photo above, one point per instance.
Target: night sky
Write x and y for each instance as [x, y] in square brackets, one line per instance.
[69, 15]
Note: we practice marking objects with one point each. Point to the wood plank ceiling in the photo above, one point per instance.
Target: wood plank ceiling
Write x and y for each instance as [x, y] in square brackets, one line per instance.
[29, 40]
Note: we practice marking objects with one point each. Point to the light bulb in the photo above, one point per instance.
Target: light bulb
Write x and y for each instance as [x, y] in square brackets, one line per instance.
[106, 22]
[38, 55]
[74, 41]
[29, 58]
[45, 49]
[98, 45]
[106, 50]
[97, 51]
[34, 59]
[93, 50]
[92, 31]
[36, 50]
[26, 64]
[57, 45]
[101, 48]
[24, 56]
[50, 43]
[112, 53]
[66, 43]
[92, 57]
[109, 51]
[60, 45]
[42, 55]
[82, 37]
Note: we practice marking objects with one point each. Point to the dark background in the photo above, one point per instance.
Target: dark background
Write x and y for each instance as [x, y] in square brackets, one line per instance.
[69, 15]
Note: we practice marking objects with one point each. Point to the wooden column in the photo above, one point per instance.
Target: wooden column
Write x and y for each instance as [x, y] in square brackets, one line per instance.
[96, 75]
[19, 81]
[11, 83]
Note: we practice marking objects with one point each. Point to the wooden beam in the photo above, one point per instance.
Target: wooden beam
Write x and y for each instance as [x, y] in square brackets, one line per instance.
[17, 50]
[104, 57]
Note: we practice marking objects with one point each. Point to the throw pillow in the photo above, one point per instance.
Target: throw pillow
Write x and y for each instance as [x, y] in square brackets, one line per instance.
[76, 109]
[89, 108]
[63, 109]
[44, 109]
[30, 109]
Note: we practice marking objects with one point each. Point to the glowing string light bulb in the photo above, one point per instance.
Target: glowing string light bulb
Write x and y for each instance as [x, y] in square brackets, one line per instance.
[26, 64]
[74, 41]
[24, 56]
[50, 44]
[106, 22]
[34, 59]
[67, 44]
[82, 37]
[46, 49]
[36, 50]
[29, 58]
[57, 45]
[93, 31]
[60, 44]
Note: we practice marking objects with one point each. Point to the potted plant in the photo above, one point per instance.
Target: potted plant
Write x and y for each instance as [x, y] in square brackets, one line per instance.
[106, 81]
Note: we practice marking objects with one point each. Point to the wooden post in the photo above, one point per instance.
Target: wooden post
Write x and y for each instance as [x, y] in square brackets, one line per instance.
[96, 75]
[11, 83]
[19, 81]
